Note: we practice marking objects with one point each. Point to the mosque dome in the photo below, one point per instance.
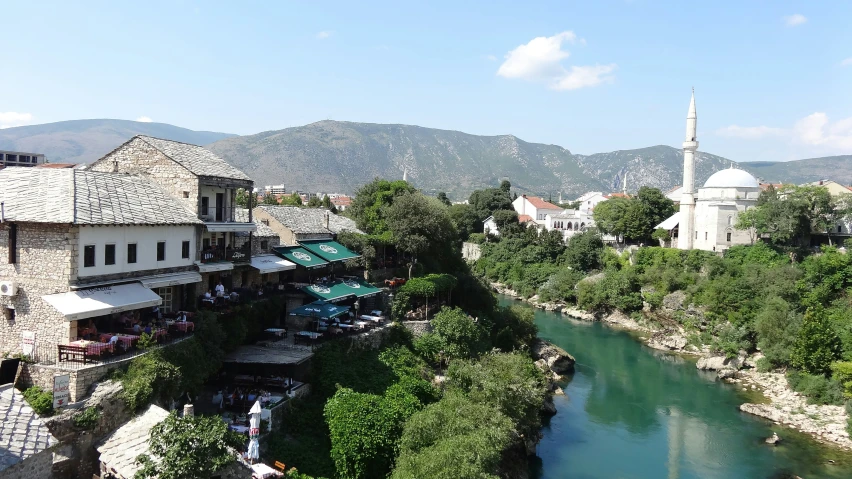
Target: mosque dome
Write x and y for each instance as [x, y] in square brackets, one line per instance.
[731, 178]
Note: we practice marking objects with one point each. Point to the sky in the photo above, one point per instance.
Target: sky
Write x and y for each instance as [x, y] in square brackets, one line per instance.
[772, 79]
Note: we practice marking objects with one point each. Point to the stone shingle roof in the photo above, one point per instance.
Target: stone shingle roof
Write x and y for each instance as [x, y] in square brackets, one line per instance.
[241, 215]
[310, 220]
[22, 433]
[88, 198]
[198, 160]
[120, 449]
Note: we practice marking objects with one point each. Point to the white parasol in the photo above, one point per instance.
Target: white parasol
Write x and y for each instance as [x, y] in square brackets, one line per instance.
[253, 452]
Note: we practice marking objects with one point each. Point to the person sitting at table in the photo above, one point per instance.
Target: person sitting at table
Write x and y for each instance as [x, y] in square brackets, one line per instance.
[181, 317]
[234, 297]
[124, 319]
[148, 328]
[137, 328]
[220, 290]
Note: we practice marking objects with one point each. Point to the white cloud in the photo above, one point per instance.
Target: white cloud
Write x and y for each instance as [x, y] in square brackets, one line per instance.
[324, 34]
[9, 119]
[794, 20]
[749, 132]
[816, 129]
[847, 62]
[540, 61]
[144, 119]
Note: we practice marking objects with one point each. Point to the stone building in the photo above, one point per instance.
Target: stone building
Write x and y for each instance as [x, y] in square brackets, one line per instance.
[26, 445]
[294, 224]
[204, 183]
[77, 245]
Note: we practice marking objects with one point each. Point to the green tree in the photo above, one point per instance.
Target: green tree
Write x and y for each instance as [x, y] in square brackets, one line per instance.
[442, 197]
[466, 220]
[192, 447]
[610, 216]
[777, 327]
[419, 225]
[817, 345]
[291, 200]
[489, 200]
[326, 202]
[371, 201]
[462, 336]
[505, 186]
[314, 202]
[584, 251]
[243, 197]
[507, 223]
[269, 199]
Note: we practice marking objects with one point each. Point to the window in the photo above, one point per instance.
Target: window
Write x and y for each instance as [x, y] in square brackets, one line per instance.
[167, 297]
[730, 218]
[13, 243]
[205, 205]
[109, 254]
[131, 253]
[705, 236]
[728, 236]
[88, 256]
[696, 235]
[161, 251]
[264, 245]
[186, 194]
[10, 314]
[839, 228]
[184, 250]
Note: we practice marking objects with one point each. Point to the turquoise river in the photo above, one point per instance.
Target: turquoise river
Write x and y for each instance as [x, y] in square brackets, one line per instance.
[632, 412]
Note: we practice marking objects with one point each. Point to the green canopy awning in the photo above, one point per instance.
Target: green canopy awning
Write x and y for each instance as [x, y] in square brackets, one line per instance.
[359, 287]
[319, 309]
[328, 250]
[300, 256]
[328, 292]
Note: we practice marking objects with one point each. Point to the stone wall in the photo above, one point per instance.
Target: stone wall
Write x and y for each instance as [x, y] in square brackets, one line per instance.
[271, 241]
[36, 466]
[137, 157]
[471, 251]
[418, 328]
[80, 379]
[46, 264]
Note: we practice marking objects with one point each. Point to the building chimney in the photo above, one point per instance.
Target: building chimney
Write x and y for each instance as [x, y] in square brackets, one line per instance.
[326, 219]
[115, 166]
[188, 410]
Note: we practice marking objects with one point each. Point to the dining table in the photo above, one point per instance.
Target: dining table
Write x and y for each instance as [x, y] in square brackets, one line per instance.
[126, 340]
[375, 319]
[93, 348]
[182, 326]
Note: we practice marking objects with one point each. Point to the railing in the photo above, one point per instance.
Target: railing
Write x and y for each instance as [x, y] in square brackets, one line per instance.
[222, 214]
[218, 255]
[49, 354]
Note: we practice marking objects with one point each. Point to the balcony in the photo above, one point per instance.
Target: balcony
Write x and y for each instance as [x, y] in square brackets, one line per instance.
[225, 255]
[225, 219]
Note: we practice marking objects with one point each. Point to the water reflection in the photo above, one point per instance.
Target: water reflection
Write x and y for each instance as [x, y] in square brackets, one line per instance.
[633, 412]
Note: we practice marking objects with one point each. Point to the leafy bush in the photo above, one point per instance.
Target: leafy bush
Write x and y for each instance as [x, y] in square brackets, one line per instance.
[514, 328]
[841, 372]
[461, 334]
[818, 389]
[777, 328]
[730, 340]
[817, 346]
[146, 341]
[478, 238]
[429, 346]
[150, 378]
[561, 286]
[40, 400]
[584, 251]
[86, 419]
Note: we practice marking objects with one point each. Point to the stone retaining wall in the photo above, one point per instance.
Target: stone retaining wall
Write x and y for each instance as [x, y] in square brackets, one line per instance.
[418, 328]
[80, 379]
[471, 251]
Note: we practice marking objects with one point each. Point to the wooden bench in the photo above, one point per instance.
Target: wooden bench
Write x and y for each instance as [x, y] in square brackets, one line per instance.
[280, 466]
[74, 354]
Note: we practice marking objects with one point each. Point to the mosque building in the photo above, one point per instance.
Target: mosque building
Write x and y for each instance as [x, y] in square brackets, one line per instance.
[707, 217]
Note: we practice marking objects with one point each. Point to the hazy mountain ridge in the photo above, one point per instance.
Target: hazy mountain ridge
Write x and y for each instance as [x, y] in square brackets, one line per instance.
[332, 156]
[83, 141]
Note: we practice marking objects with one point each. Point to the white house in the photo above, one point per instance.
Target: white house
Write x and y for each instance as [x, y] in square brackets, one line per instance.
[535, 208]
[569, 222]
[490, 227]
[589, 200]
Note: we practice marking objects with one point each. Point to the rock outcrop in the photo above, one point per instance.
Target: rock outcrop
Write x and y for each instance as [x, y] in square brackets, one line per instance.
[667, 341]
[557, 359]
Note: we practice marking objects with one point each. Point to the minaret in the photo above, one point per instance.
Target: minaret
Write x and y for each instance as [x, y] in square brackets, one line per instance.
[405, 174]
[624, 186]
[686, 228]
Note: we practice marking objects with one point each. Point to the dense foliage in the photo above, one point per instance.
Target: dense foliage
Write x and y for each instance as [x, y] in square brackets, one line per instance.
[634, 219]
[40, 400]
[189, 447]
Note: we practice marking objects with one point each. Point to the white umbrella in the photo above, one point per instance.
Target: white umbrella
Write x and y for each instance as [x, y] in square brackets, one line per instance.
[253, 452]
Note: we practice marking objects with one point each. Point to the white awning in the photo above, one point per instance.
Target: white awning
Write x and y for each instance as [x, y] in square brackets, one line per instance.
[171, 279]
[213, 267]
[88, 303]
[231, 227]
[269, 263]
[670, 223]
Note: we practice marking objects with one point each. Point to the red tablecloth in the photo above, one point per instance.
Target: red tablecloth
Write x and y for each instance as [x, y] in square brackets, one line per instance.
[125, 339]
[182, 325]
[93, 348]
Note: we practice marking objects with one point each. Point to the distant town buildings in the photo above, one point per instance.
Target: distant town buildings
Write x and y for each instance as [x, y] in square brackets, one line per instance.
[535, 208]
[17, 158]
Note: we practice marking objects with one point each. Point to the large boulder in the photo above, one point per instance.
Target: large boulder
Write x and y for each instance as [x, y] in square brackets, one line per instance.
[674, 301]
[716, 363]
[556, 358]
[667, 341]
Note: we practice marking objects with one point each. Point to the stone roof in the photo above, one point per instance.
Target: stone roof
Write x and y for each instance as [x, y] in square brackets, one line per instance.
[241, 216]
[120, 449]
[22, 433]
[310, 220]
[198, 160]
[87, 197]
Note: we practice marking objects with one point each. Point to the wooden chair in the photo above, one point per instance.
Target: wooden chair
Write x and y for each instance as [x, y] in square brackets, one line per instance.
[74, 354]
[280, 466]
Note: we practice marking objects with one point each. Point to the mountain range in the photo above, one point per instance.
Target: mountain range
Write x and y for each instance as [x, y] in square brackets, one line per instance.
[335, 156]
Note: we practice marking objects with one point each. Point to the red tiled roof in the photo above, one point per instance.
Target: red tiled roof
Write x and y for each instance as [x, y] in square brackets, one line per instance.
[673, 189]
[540, 203]
[765, 186]
[617, 195]
[524, 218]
[341, 201]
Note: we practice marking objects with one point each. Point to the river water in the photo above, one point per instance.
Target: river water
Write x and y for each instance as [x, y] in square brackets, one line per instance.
[632, 412]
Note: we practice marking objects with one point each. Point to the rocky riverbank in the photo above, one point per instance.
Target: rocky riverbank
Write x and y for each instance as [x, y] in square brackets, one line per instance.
[785, 406]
